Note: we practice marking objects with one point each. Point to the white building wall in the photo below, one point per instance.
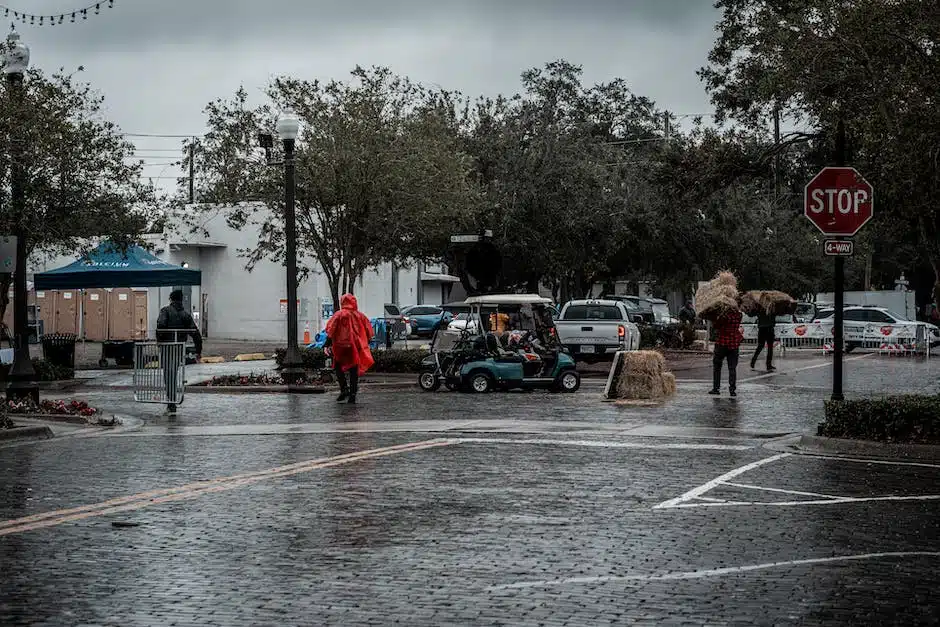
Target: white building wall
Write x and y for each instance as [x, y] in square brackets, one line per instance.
[244, 305]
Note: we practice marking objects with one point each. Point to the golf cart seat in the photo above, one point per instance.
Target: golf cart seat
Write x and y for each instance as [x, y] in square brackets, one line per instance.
[495, 348]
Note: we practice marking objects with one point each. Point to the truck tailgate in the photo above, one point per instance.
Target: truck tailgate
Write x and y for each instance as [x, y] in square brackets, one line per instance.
[588, 332]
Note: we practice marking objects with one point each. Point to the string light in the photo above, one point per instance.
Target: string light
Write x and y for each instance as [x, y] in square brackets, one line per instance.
[35, 19]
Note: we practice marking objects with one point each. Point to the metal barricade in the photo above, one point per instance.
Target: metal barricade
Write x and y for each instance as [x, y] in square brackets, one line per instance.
[159, 372]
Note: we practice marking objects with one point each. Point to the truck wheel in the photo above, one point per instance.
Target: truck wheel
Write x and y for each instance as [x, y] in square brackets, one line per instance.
[568, 381]
[480, 383]
[428, 382]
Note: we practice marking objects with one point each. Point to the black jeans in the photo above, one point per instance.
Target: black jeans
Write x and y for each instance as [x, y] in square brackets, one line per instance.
[722, 353]
[764, 336]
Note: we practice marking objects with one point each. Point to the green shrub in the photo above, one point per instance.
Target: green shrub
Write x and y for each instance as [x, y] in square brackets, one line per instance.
[390, 361]
[910, 419]
[45, 371]
[313, 358]
[398, 361]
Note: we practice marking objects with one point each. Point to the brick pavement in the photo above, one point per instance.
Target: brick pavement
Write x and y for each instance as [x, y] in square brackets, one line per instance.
[493, 529]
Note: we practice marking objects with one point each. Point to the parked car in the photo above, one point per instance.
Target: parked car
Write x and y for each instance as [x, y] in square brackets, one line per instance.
[593, 330]
[425, 319]
[876, 315]
[650, 310]
[465, 322]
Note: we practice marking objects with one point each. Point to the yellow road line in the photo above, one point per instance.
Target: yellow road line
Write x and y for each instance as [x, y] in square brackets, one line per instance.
[194, 490]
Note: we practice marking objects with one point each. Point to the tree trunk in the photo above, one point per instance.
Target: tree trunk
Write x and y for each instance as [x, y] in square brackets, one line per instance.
[6, 280]
[935, 264]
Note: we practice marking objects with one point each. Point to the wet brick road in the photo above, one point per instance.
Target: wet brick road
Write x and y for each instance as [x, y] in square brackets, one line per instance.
[513, 509]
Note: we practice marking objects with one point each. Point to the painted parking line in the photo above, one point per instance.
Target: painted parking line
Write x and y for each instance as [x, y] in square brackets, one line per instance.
[680, 446]
[696, 496]
[715, 572]
[193, 490]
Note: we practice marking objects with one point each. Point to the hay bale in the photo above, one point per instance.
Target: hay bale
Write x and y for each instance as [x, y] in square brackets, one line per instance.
[777, 303]
[750, 303]
[643, 376]
[717, 297]
[669, 384]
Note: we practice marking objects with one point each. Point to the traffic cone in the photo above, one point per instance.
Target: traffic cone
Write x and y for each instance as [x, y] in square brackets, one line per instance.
[306, 333]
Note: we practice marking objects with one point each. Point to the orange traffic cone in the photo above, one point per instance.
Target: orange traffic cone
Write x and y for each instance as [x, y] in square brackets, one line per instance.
[306, 333]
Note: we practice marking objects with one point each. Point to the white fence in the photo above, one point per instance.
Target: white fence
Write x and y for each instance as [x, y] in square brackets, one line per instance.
[895, 339]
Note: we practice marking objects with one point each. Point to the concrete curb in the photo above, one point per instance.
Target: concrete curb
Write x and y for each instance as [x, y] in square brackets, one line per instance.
[252, 389]
[18, 434]
[837, 447]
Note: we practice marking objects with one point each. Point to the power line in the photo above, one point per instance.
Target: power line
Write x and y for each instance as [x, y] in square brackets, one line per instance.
[37, 19]
[191, 136]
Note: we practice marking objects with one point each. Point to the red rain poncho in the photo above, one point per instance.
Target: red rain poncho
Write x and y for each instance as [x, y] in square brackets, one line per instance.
[350, 331]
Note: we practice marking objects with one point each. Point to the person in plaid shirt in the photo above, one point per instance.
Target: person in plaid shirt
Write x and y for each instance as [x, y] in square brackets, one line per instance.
[727, 346]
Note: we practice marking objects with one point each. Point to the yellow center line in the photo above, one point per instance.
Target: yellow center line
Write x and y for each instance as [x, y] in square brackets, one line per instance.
[194, 490]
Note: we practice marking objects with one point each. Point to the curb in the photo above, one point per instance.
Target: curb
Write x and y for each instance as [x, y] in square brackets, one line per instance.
[252, 389]
[17, 434]
[838, 447]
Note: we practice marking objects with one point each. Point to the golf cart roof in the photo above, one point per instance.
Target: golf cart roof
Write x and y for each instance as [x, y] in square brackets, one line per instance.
[509, 299]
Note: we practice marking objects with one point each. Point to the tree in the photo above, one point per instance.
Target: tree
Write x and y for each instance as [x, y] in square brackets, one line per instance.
[380, 176]
[869, 63]
[559, 168]
[80, 180]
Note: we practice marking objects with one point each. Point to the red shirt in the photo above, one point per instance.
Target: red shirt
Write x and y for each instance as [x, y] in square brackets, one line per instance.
[729, 330]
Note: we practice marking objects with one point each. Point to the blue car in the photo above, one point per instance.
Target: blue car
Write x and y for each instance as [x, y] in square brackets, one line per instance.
[425, 319]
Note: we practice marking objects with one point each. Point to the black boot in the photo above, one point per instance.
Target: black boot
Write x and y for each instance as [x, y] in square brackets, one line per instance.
[353, 384]
[343, 387]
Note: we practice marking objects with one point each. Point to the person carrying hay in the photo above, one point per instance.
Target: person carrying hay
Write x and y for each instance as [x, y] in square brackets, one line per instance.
[765, 335]
[727, 347]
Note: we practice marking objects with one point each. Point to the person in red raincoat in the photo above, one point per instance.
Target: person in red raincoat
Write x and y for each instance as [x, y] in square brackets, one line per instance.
[347, 336]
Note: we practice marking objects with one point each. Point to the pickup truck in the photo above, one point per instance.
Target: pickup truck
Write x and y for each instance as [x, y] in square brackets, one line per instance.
[593, 330]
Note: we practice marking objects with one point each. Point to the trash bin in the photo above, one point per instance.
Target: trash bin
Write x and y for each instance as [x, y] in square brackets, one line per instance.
[59, 349]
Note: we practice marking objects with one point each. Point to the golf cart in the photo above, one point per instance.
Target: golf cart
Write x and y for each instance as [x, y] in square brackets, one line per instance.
[512, 345]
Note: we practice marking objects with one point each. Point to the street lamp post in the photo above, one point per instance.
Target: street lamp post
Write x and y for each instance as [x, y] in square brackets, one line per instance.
[288, 127]
[22, 376]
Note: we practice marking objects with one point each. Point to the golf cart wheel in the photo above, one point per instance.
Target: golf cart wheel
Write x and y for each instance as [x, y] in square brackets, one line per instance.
[428, 382]
[568, 381]
[480, 383]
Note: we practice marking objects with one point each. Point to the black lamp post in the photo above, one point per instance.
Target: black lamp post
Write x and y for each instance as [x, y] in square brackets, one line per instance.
[288, 127]
[22, 376]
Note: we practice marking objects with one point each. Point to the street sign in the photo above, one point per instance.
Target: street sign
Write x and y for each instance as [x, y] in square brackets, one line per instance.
[839, 247]
[839, 201]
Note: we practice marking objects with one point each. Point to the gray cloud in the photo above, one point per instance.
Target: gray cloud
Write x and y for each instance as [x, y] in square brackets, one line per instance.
[159, 62]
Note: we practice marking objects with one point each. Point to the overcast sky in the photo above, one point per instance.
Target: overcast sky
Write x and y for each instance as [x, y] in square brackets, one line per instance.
[158, 62]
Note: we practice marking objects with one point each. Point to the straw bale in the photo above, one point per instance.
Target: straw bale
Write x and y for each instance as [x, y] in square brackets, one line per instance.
[777, 303]
[669, 384]
[717, 297]
[643, 376]
[750, 303]
[644, 362]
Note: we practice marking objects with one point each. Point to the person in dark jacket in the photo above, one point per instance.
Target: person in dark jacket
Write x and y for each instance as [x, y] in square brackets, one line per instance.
[687, 313]
[765, 335]
[174, 325]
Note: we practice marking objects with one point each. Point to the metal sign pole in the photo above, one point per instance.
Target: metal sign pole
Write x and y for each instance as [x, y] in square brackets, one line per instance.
[837, 371]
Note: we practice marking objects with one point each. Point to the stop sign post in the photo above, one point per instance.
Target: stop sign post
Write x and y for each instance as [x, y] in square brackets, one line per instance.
[839, 202]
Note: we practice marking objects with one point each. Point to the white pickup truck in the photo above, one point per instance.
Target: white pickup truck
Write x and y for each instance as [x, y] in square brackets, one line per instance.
[593, 330]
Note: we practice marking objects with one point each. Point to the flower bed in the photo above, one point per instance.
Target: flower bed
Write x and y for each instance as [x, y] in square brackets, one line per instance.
[53, 408]
[259, 380]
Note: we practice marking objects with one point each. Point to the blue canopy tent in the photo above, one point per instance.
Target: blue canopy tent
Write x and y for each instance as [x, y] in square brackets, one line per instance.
[108, 266]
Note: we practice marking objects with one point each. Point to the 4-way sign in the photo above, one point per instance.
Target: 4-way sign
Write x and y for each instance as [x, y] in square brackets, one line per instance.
[839, 201]
[839, 247]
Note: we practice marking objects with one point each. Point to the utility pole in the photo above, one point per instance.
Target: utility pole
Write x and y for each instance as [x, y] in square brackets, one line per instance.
[776, 152]
[192, 169]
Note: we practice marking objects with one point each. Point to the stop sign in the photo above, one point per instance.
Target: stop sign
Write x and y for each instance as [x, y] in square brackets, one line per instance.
[839, 201]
